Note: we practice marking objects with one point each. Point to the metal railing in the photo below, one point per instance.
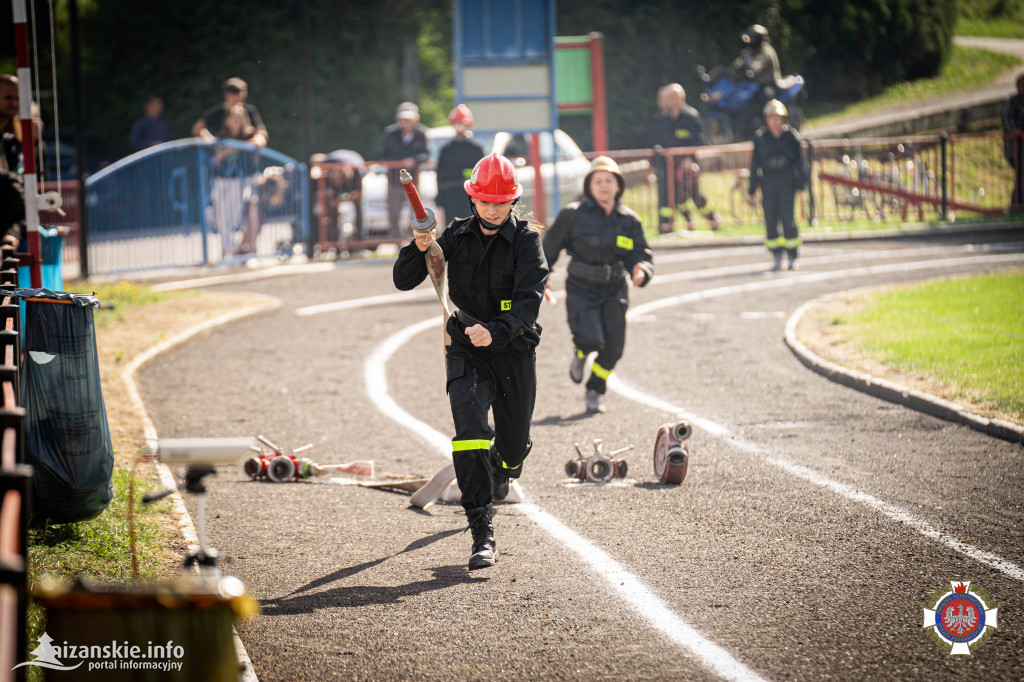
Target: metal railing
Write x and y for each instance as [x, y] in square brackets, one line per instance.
[875, 181]
[160, 207]
[192, 202]
[15, 480]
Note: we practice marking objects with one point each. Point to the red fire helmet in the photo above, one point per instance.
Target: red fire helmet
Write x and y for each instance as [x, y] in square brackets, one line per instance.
[494, 180]
[461, 114]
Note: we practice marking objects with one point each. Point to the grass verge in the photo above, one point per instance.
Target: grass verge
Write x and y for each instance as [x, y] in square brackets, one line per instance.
[966, 334]
[991, 28]
[967, 68]
[99, 548]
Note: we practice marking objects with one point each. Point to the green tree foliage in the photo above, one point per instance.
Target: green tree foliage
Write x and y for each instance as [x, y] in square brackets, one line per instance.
[850, 49]
[843, 48]
[357, 51]
[369, 56]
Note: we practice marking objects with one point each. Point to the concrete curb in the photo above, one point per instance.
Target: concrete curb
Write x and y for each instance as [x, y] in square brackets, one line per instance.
[188, 529]
[891, 391]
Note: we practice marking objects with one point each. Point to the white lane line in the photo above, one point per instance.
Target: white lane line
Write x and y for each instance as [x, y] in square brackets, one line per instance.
[892, 511]
[626, 584]
[640, 598]
[375, 375]
[747, 268]
[383, 299]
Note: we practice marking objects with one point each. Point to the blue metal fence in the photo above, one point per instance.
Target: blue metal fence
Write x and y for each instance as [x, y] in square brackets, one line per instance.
[193, 202]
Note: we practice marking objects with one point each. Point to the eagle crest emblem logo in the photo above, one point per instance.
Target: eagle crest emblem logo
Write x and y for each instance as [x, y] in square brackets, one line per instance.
[959, 618]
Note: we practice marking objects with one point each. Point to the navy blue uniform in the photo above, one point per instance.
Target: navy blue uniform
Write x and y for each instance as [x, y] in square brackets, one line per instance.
[497, 281]
[604, 249]
[777, 167]
[684, 130]
[454, 166]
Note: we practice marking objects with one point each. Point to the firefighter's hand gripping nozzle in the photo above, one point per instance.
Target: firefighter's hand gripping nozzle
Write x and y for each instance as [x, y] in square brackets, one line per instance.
[598, 467]
[424, 219]
[671, 455]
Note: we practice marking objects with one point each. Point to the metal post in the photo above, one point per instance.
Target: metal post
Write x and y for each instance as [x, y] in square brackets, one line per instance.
[943, 144]
[305, 71]
[538, 178]
[599, 113]
[28, 139]
[80, 161]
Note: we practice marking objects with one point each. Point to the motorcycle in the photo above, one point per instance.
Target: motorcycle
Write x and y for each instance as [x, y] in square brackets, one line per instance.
[728, 100]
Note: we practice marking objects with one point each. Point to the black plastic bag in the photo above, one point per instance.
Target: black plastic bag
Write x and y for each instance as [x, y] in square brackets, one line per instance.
[67, 439]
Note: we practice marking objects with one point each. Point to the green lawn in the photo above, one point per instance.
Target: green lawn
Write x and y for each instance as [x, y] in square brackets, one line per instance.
[991, 28]
[965, 333]
[967, 68]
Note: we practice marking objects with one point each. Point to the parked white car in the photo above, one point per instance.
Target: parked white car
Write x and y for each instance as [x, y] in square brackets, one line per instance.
[572, 166]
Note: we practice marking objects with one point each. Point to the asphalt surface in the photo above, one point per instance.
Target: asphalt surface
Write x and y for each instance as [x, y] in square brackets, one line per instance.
[812, 527]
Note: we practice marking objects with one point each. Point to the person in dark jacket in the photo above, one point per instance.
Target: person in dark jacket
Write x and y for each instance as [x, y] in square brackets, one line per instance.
[151, 128]
[12, 210]
[677, 124]
[496, 279]
[606, 243]
[406, 141]
[1013, 143]
[454, 165]
[778, 169]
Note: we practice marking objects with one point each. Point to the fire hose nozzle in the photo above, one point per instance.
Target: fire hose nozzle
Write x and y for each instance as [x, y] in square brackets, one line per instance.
[423, 218]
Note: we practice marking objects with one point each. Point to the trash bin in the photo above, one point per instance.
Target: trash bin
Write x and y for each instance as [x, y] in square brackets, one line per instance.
[51, 242]
[178, 630]
[67, 438]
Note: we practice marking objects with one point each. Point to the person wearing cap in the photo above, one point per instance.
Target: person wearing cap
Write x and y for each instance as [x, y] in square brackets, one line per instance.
[455, 164]
[235, 92]
[405, 142]
[677, 124]
[778, 170]
[605, 242]
[496, 278]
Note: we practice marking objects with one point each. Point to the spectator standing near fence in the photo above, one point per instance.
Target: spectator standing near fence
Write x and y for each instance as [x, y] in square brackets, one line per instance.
[12, 210]
[231, 171]
[151, 128]
[778, 170]
[496, 278]
[1013, 129]
[454, 165]
[10, 130]
[235, 91]
[606, 243]
[405, 140]
[677, 124]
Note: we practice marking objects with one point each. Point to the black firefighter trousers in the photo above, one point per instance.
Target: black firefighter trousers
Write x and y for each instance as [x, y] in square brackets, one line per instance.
[598, 323]
[506, 385]
[777, 196]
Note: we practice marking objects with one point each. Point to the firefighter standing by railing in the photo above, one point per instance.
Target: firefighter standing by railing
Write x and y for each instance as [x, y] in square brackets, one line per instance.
[778, 169]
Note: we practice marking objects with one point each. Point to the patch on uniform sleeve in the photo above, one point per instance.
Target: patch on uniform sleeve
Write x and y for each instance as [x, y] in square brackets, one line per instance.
[624, 242]
[682, 133]
[506, 305]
